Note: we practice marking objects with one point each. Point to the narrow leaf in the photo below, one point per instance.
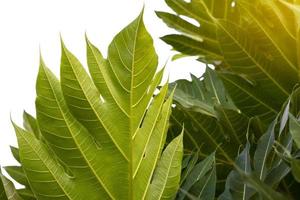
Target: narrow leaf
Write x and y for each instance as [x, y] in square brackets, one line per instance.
[166, 178]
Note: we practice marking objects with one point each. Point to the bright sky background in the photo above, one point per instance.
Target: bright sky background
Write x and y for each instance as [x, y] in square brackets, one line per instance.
[26, 25]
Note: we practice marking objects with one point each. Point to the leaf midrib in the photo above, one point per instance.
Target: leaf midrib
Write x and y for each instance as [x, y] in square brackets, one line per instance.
[38, 155]
[157, 154]
[262, 103]
[104, 77]
[148, 139]
[253, 60]
[265, 156]
[75, 141]
[273, 42]
[210, 137]
[131, 132]
[169, 168]
[96, 113]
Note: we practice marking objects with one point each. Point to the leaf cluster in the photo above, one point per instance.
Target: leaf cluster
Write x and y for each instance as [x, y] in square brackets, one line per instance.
[231, 134]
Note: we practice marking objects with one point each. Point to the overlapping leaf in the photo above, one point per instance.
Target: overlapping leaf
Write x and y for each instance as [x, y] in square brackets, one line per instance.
[17, 172]
[197, 39]
[241, 39]
[200, 182]
[235, 187]
[101, 137]
[7, 189]
[260, 173]
[211, 119]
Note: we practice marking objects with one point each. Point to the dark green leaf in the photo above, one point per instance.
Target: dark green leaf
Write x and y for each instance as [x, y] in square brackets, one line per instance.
[201, 181]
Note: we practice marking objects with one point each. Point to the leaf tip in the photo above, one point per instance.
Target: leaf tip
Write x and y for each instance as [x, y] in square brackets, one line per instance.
[86, 38]
[25, 113]
[62, 43]
[41, 56]
[182, 132]
[158, 13]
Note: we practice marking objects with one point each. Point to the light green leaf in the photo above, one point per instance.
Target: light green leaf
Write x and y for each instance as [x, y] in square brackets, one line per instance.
[244, 57]
[64, 133]
[103, 131]
[166, 178]
[46, 175]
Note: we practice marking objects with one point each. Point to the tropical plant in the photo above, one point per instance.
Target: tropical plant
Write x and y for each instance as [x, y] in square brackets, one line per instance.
[240, 38]
[101, 137]
[104, 135]
[244, 101]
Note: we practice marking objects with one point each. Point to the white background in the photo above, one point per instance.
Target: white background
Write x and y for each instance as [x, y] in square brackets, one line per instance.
[26, 25]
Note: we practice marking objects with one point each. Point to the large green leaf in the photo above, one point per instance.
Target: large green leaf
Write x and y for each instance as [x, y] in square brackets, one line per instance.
[249, 98]
[102, 137]
[241, 39]
[197, 39]
[257, 17]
